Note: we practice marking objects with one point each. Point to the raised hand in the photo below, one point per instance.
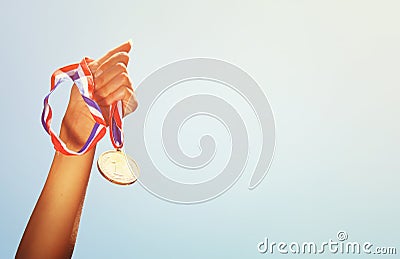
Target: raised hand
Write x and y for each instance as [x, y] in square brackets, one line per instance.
[112, 83]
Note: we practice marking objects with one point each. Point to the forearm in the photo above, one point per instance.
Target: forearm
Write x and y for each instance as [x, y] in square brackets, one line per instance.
[51, 230]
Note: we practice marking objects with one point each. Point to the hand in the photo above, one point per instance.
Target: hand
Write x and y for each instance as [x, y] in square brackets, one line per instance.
[112, 83]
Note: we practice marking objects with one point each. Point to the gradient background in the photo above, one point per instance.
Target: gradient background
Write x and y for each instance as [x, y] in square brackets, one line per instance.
[330, 70]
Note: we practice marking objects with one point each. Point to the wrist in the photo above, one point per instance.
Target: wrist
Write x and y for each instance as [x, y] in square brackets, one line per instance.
[75, 131]
[73, 140]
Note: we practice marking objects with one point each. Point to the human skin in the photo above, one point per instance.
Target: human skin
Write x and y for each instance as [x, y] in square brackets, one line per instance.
[53, 226]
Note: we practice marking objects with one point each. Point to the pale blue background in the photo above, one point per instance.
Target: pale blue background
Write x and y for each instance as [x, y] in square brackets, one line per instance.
[329, 68]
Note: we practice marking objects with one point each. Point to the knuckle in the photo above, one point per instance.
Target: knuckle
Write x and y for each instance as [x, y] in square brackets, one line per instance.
[124, 56]
[125, 77]
[130, 91]
[127, 92]
[128, 81]
[121, 67]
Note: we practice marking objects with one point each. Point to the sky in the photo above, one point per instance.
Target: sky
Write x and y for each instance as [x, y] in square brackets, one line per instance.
[328, 68]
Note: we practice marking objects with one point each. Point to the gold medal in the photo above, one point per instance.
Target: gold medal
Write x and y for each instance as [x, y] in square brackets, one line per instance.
[117, 167]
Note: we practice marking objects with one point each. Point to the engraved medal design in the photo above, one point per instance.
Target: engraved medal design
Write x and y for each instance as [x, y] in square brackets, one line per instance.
[115, 165]
[116, 168]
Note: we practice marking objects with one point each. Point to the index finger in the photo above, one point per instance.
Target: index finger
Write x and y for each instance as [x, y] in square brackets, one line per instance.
[124, 47]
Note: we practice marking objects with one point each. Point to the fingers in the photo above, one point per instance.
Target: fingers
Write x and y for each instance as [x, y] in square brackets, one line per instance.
[124, 47]
[118, 88]
[115, 66]
[122, 80]
[126, 95]
[119, 57]
[112, 82]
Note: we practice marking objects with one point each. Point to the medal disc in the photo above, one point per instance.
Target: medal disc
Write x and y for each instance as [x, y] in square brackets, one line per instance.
[117, 167]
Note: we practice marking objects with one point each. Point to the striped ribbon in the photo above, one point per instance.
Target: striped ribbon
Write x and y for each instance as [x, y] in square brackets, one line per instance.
[83, 79]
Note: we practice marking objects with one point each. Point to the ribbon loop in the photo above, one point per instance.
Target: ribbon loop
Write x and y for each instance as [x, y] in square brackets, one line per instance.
[83, 79]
